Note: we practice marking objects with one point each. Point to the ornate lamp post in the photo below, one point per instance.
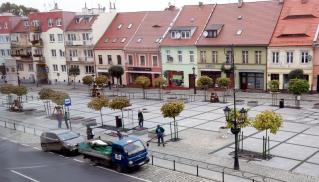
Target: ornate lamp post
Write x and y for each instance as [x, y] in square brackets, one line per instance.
[194, 79]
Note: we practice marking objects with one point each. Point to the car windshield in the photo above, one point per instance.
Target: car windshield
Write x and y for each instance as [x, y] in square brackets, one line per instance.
[68, 135]
[134, 147]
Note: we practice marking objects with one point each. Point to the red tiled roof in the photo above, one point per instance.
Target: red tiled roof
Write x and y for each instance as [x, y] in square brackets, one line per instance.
[192, 16]
[255, 20]
[10, 21]
[297, 24]
[20, 28]
[152, 30]
[85, 22]
[44, 16]
[118, 37]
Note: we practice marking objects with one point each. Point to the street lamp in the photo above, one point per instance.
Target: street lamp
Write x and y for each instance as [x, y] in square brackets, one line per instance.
[194, 79]
[18, 78]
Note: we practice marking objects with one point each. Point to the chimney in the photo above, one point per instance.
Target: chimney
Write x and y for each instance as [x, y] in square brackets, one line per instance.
[200, 3]
[304, 1]
[280, 1]
[56, 6]
[240, 3]
[114, 6]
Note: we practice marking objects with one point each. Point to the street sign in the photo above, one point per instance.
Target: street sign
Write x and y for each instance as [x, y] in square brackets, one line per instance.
[67, 102]
[47, 69]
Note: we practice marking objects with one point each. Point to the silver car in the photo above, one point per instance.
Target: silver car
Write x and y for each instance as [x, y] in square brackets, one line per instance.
[60, 140]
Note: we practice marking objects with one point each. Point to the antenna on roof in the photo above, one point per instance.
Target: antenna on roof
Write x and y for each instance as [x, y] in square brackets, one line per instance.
[240, 3]
[85, 5]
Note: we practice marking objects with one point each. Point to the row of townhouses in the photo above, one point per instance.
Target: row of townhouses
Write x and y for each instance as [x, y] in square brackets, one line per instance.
[267, 38]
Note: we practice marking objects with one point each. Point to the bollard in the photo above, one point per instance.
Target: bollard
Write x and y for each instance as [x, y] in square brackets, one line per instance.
[223, 176]
[152, 160]
[253, 180]
[23, 129]
[174, 165]
[33, 131]
[197, 170]
[5, 124]
[14, 126]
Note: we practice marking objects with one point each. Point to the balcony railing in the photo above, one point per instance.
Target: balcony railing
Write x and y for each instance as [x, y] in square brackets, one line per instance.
[80, 59]
[38, 58]
[37, 43]
[21, 55]
[79, 43]
[20, 44]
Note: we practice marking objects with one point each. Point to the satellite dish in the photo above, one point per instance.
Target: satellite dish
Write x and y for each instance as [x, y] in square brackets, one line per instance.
[178, 35]
[205, 33]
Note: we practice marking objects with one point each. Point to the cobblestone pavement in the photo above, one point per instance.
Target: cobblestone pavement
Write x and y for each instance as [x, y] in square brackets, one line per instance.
[295, 148]
[148, 172]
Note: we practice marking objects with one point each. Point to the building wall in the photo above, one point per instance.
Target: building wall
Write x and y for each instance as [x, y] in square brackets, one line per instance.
[282, 67]
[251, 66]
[185, 66]
[103, 68]
[315, 69]
[5, 45]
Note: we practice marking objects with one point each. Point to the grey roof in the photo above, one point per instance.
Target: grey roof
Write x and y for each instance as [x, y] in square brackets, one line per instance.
[182, 28]
[214, 27]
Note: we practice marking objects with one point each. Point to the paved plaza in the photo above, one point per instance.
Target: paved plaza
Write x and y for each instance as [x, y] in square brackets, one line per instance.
[294, 149]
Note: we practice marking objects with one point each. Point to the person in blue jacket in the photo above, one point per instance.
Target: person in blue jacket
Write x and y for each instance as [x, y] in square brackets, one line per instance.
[160, 135]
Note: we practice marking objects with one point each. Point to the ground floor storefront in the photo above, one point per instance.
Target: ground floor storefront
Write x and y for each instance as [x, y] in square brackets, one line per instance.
[133, 72]
[180, 76]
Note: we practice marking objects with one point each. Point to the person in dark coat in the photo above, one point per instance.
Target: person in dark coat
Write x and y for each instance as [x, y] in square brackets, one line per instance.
[140, 118]
[160, 135]
[89, 133]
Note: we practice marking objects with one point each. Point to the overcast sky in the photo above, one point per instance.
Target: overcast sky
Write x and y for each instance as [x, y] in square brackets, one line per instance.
[121, 5]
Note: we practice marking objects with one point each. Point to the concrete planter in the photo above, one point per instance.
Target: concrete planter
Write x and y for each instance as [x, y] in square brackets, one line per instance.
[223, 132]
[252, 103]
[240, 102]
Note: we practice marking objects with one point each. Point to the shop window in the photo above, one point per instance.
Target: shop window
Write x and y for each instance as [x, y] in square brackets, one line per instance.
[142, 60]
[154, 60]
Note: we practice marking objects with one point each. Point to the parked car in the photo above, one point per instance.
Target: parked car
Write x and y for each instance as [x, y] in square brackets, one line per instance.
[60, 141]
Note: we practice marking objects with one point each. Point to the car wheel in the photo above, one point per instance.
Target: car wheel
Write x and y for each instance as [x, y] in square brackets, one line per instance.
[119, 168]
[44, 148]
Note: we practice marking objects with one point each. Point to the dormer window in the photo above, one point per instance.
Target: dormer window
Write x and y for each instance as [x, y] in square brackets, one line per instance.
[58, 22]
[186, 34]
[5, 25]
[139, 40]
[239, 32]
[50, 22]
[123, 40]
[26, 23]
[130, 26]
[239, 17]
[35, 23]
[114, 40]
[77, 20]
[106, 40]
[120, 26]
[212, 31]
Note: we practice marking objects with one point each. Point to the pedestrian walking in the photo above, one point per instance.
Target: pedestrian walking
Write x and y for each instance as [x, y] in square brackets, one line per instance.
[140, 118]
[160, 135]
[66, 119]
[119, 134]
[89, 133]
[109, 84]
[59, 117]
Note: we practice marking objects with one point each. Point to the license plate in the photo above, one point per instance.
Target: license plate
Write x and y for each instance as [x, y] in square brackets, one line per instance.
[141, 163]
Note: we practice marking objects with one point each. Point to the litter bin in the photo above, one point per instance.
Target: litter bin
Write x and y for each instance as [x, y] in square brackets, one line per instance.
[281, 103]
[118, 121]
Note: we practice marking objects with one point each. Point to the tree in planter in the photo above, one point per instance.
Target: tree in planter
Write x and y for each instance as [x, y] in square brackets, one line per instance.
[298, 87]
[159, 82]
[74, 72]
[46, 94]
[246, 121]
[267, 120]
[143, 82]
[7, 89]
[19, 91]
[274, 89]
[119, 103]
[224, 83]
[204, 82]
[101, 80]
[172, 110]
[296, 74]
[88, 80]
[97, 104]
[117, 72]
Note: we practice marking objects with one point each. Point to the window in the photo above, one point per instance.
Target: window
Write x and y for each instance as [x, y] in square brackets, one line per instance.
[85, 36]
[35, 23]
[30, 67]
[73, 53]
[53, 52]
[228, 57]
[20, 67]
[214, 56]
[180, 56]
[139, 40]
[55, 67]
[290, 57]
[109, 59]
[173, 35]
[275, 57]
[154, 60]
[203, 56]
[304, 56]
[258, 57]
[142, 60]
[100, 59]
[52, 38]
[88, 53]
[186, 34]
[58, 22]
[5, 25]
[50, 22]
[63, 68]
[245, 57]
[61, 53]
[120, 26]
[168, 56]
[89, 69]
[191, 56]
[119, 59]
[129, 26]
[8, 52]
[130, 59]
[3, 53]
[71, 37]
[123, 40]
[60, 37]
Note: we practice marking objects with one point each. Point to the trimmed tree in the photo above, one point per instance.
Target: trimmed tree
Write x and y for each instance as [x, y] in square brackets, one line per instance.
[143, 82]
[159, 82]
[246, 121]
[119, 103]
[204, 82]
[296, 74]
[58, 98]
[97, 104]
[224, 83]
[7, 89]
[273, 86]
[20, 91]
[101, 80]
[45, 93]
[74, 72]
[267, 120]
[298, 87]
[172, 110]
[88, 80]
[116, 72]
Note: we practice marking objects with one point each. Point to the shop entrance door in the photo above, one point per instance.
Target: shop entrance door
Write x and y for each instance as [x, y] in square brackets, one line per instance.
[191, 80]
[243, 81]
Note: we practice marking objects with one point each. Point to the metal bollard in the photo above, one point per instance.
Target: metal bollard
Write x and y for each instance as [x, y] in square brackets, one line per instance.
[152, 160]
[223, 176]
[14, 126]
[197, 170]
[174, 165]
[5, 124]
[23, 129]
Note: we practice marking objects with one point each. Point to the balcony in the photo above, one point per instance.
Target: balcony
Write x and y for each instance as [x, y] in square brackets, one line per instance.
[24, 56]
[85, 43]
[20, 45]
[37, 43]
[38, 58]
[35, 28]
[80, 60]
